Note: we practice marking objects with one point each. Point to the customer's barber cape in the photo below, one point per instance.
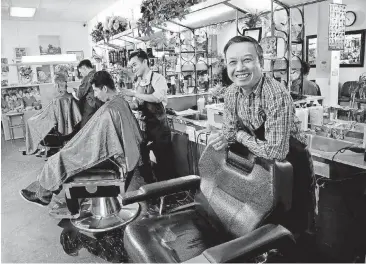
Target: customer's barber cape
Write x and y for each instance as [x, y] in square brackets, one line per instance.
[112, 130]
[62, 111]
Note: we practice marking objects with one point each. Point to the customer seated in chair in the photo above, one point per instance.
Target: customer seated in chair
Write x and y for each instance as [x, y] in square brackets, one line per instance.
[112, 131]
[61, 116]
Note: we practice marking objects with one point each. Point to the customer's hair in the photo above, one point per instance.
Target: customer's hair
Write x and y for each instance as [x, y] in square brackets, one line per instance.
[241, 39]
[141, 55]
[60, 78]
[225, 77]
[101, 78]
[86, 63]
[305, 68]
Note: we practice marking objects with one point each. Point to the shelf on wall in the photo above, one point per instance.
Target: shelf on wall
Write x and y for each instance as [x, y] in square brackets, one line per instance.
[43, 63]
[33, 84]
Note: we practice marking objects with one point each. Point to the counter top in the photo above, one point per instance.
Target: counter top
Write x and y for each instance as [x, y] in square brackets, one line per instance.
[348, 157]
[185, 95]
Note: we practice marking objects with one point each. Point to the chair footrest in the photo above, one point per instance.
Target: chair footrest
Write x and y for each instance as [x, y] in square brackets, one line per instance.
[96, 189]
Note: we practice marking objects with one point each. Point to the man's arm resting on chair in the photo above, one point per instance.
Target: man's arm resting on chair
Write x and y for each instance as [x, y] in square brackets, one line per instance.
[158, 189]
[249, 246]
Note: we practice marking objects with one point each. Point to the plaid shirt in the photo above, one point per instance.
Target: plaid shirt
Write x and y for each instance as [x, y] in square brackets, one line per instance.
[270, 104]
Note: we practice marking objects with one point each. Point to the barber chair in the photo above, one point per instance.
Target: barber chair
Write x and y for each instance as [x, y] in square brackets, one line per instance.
[240, 204]
[102, 185]
[346, 91]
[54, 141]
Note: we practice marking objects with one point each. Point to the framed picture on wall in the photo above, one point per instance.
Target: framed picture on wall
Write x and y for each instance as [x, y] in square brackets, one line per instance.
[79, 54]
[19, 53]
[49, 45]
[353, 54]
[255, 33]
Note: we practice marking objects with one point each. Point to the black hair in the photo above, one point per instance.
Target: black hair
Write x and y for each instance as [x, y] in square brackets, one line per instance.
[141, 55]
[241, 39]
[86, 63]
[305, 68]
[226, 81]
[101, 78]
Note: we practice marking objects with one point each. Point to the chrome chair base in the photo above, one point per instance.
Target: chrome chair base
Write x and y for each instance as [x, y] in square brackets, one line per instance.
[105, 214]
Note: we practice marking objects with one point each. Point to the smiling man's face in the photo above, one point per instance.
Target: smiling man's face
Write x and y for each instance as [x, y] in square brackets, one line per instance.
[243, 66]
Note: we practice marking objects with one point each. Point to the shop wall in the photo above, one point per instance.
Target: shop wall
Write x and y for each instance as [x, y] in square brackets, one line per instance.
[73, 37]
[311, 21]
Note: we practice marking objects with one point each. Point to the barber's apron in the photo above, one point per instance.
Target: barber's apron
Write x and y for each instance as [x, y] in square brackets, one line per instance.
[301, 215]
[158, 131]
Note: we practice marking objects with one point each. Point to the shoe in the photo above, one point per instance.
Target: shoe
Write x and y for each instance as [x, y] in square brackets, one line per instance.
[60, 211]
[32, 197]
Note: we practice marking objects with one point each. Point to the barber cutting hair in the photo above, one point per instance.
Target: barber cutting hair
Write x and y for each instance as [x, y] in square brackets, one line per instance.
[259, 113]
[151, 99]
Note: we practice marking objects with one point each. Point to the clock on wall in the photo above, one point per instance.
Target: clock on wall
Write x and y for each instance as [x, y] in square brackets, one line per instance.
[350, 18]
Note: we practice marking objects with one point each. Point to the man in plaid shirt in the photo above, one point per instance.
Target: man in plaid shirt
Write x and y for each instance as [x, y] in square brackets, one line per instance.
[259, 113]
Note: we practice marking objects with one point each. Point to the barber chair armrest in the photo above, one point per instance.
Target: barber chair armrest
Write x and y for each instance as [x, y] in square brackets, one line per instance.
[158, 189]
[251, 245]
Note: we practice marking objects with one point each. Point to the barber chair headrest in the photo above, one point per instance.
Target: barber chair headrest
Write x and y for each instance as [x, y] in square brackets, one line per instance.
[240, 190]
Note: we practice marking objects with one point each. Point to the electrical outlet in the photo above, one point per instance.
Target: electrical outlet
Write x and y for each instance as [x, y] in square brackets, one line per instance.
[191, 132]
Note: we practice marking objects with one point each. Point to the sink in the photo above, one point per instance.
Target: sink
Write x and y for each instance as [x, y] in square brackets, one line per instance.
[196, 117]
[326, 144]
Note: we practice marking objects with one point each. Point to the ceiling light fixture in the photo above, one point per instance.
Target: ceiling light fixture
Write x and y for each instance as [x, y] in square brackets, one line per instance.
[22, 11]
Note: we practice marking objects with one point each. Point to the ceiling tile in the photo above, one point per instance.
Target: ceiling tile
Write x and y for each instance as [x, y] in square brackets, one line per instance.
[47, 14]
[25, 3]
[55, 4]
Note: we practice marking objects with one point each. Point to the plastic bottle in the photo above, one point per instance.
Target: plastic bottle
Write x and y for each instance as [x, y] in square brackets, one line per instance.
[201, 104]
[316, 114]
[303, 115]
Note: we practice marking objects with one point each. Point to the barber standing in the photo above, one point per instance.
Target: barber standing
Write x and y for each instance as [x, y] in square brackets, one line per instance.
[259, 113]
[88, 104]
[150, 100]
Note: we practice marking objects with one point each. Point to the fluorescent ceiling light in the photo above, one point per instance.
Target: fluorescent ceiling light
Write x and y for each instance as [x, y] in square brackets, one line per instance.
[252, 6]
[210, 12]
[22, 11]
[60, 58]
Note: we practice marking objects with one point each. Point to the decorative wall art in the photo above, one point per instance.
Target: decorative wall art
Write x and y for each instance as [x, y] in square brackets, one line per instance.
[337, 28]
[4, 72]
[19, 53]
[25, 74]
[255, 33]
[269, 45]
[20, 99]
[49, 45]
[44, 74]
[352, 55]
[79, 54]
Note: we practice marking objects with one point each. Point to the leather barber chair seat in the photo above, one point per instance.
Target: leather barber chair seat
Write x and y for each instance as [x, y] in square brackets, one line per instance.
[102, 185]
[236, 215]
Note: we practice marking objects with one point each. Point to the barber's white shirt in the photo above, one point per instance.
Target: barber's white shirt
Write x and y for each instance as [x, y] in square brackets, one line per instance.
[159, 84]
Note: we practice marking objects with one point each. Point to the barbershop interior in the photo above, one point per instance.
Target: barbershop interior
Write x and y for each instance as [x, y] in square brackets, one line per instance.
[156, 131]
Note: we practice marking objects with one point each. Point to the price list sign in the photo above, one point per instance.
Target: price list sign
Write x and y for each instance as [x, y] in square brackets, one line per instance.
[337, 28]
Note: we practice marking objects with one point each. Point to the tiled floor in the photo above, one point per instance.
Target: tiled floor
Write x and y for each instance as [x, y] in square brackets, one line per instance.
[28, 233]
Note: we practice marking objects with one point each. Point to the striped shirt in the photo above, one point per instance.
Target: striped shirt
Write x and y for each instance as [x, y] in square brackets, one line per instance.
[270, 104]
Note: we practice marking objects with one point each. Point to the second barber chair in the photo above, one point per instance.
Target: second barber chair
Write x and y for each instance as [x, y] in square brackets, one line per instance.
[102, 185]
[237, 214]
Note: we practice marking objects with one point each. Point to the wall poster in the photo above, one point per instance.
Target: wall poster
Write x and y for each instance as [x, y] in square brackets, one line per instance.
[49, 45]
[336, 28]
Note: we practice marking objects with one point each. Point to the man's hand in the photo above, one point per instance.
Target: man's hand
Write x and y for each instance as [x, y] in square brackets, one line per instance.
[218, 141]
[127, 92]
